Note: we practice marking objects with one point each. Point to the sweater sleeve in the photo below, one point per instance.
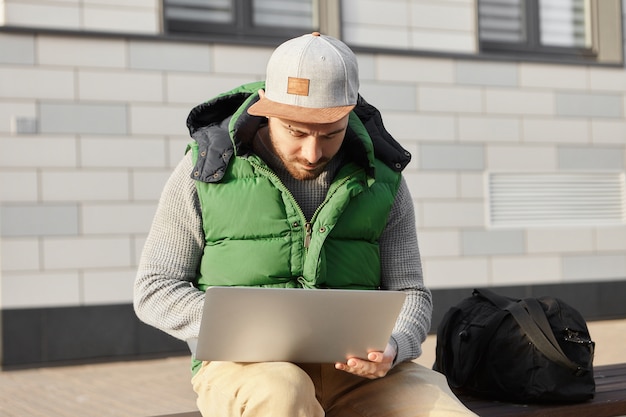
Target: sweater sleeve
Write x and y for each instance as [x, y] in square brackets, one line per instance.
[163, 294]
[402, 271]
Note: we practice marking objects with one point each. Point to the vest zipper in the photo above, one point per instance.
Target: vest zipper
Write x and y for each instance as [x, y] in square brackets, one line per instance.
[308, 227]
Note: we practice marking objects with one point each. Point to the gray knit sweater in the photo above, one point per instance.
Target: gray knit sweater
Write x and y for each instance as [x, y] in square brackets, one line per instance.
[165, 298]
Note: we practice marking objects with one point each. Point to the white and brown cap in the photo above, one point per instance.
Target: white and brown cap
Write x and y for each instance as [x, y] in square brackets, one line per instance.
[312, 79]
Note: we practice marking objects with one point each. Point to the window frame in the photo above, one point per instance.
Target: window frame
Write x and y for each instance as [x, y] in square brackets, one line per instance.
[533, 47]
[242, 29]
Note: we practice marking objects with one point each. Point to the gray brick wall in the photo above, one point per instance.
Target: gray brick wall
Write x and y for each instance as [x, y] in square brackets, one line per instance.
[102, 124]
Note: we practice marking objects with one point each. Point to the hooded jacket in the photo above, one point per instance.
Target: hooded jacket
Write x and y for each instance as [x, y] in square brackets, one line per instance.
[255, 232]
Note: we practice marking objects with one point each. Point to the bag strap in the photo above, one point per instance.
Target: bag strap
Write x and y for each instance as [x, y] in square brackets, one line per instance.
[541, 336]
[539, 316]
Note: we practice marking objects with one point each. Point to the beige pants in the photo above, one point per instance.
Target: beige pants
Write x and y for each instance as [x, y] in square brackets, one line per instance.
[281, 389]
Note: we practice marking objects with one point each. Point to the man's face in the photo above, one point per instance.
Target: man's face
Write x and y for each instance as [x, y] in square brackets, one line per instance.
[306, 148]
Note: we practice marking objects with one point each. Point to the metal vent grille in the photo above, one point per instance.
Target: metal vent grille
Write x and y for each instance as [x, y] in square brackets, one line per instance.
[556, 199]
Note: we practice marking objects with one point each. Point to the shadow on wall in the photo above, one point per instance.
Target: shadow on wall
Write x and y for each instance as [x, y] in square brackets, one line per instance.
[34, 337]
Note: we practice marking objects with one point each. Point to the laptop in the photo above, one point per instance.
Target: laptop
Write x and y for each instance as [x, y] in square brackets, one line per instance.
[251, 324]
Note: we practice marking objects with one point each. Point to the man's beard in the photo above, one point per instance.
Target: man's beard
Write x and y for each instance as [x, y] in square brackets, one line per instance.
[294, 165]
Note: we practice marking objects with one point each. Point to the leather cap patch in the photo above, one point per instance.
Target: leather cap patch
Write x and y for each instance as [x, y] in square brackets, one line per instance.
[298, 86]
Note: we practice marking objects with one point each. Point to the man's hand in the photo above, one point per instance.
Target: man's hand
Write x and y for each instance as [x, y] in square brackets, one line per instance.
[376, 366]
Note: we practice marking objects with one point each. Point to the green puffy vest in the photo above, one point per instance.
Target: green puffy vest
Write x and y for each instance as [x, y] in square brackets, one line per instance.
[256, 235]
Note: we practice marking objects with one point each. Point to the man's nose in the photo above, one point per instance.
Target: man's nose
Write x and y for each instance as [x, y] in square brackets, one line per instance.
[312, 150]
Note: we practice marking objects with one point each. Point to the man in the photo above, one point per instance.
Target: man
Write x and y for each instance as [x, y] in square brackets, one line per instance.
[294, 183]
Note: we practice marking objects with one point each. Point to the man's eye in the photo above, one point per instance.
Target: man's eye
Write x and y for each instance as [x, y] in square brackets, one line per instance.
[296, 134]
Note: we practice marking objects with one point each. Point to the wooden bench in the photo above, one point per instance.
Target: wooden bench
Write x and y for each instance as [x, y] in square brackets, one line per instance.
[609, 401]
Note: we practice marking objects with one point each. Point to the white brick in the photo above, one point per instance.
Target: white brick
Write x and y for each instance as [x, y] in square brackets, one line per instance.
[583, 104]
[232, 60]
[556, 130]
[439, 243]
[83, 118]
[108, 287]
[93, 185]
[110, 218]
[522, 103]
[19, 254]
[412, 69]
[451, 17]
[443, 41]
[472, 185]
[35, 83]
[594, 267]
[48, 15]
[553, 76]
[450, 99]
[559, 240]
[612, 239]
[486, 73]
[376, 36]
[86, 252]
[121, 152]
[162, 56]
[42, 289]
[40, 219]
[605, 79]
[37, 151]
[370, 12]
[148, 184]
[411, 126]
[146, 4]
[456, 272]
[121, 19]
[81, 52]
[390, 96]
[193, 89]
[17, 49]
[525, 270]
[489, 129]
[521, 158]
[158, 120]
[453, 214]
[120, 86]
[608, 131]
[18, 186]
[424, 186]
[452, 157]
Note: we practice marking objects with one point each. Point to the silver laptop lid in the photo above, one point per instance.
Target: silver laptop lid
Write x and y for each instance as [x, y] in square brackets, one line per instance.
[250, 324]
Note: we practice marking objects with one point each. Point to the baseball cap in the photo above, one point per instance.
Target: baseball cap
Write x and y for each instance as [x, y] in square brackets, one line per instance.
[312, 78]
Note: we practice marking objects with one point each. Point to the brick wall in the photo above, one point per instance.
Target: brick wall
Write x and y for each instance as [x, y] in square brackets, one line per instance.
[78, 195]
[91, 127]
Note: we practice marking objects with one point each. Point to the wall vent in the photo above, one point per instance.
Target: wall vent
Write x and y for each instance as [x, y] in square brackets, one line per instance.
[557, 199]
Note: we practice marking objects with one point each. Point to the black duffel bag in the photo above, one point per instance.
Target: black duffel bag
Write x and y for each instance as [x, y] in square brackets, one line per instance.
[530, 350]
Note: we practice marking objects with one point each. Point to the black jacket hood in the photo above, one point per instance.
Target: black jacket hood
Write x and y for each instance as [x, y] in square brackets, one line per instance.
[223, 127]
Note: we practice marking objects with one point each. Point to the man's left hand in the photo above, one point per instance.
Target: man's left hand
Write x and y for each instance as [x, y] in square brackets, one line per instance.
[375, 366]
